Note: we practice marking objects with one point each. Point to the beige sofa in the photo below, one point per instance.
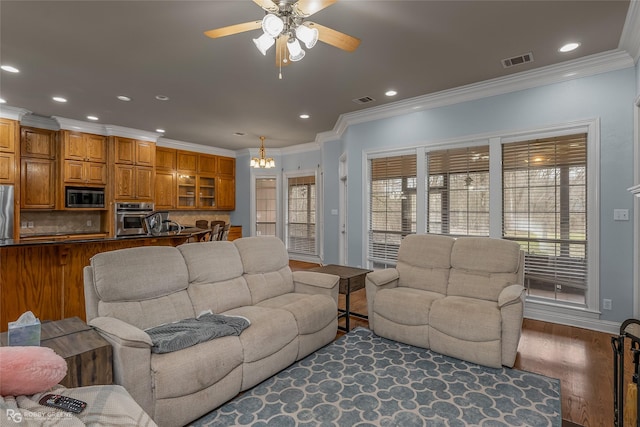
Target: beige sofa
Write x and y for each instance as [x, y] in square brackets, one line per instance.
[127, 291]
[459, 297]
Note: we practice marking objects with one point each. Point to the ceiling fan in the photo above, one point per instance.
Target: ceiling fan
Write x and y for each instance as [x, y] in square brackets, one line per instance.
[285, 26]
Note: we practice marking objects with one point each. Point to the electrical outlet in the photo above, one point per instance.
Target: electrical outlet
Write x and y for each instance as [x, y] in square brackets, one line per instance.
[30, 224]
[23, 224]
[606, 304]
[88, 223]
[621, 214]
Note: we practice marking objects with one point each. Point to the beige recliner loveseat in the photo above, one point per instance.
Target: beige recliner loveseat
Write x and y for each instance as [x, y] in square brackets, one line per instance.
[459, 297]
[130, 290]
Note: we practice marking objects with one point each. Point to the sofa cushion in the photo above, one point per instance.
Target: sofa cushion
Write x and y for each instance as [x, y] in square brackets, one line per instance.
[268, 285]
[211, 261]
[467, 319]
[405, 306]
[262, 254]
[220, 296]
[270, 331]
[150, 312]
[192, 369]
[136, 274]
[424, 261]
[312, 312]
[476, 274]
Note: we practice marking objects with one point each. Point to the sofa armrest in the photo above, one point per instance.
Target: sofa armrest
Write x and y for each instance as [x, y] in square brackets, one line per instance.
[383, 277]
[121, 332]
[312, 282]
[512, 294]
[131, 358]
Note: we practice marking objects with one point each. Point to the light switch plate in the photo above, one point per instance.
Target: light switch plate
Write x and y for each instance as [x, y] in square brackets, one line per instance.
[621, 214]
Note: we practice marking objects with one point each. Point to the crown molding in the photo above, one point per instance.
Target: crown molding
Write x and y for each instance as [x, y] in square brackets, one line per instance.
[570, 70]
[12, 113]
[630, 38]
[112, 130]
[300, 148]
[40, 122]
[81, 126]
[190, 146]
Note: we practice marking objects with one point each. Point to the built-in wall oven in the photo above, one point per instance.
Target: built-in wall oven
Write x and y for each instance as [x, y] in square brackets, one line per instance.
[130, 218]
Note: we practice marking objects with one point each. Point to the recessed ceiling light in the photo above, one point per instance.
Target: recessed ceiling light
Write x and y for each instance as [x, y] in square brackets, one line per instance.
[160, 130]
[162, 97]
[569, 47]
[59, 99]
[124, 98]
[3, 101]
[9, 69]
[94, 118]
[391, 92]
[304, 116]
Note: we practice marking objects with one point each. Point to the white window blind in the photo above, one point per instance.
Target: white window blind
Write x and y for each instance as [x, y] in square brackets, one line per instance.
[266, 207]
[458, 201]
[545, 210]
[301, 215]
[392, 206]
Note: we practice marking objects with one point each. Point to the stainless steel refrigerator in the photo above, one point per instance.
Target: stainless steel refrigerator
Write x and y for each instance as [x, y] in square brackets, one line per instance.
[6, 212]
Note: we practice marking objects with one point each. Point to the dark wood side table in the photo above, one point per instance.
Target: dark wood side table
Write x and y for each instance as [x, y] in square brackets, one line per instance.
[351, 280]
[88, 355]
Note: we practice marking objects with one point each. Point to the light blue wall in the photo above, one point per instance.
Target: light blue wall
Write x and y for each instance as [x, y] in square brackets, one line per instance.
[242, 214]
[608, 97]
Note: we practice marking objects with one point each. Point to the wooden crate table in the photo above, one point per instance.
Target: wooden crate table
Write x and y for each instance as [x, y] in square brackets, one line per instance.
[88, 355]
[351, 280]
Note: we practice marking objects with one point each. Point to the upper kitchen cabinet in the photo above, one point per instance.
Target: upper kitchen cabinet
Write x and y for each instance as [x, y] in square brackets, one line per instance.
[166, 158]
[37, 168]
[207, 164]
[187, 161]
[165, 180]
[227, 166]
[134, 152]
[40, 143]
[134, 171]
[9, 131]
[84, 158]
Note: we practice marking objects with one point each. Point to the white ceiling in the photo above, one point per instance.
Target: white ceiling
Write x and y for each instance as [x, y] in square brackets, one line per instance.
[91, 51]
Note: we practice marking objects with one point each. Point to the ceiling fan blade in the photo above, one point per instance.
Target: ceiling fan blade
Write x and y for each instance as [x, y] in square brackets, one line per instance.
[309, 7]
[233, 29]
[282, 57]
[268, 5]
[335, 38]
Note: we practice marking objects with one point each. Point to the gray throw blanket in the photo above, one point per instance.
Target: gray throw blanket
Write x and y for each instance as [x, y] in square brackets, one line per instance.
[188, 332]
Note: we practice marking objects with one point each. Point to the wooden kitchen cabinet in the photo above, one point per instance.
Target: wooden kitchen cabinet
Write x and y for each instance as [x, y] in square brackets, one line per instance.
[77, 172]
[165, 158]
[226, 193]
[84, 147]
[7, 168]
[39, 143]
[37, 183]
[227, 166]
[187, 161]
[165, 189]
[134, 152]
[133, 183]
[207, 164]
[8, 135]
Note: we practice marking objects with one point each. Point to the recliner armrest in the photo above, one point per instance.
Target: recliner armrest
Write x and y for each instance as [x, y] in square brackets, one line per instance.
[121, 332]
[383, 277]
[313, 278]
[512, 294]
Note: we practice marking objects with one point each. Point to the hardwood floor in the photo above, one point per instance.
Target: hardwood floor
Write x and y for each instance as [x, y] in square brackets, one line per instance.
[581, 359]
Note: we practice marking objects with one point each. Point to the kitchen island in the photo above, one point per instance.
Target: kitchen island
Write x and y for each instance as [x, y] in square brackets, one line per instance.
[44, 274]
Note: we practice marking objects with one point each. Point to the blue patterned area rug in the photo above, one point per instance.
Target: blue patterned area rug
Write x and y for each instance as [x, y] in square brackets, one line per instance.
[365, 380]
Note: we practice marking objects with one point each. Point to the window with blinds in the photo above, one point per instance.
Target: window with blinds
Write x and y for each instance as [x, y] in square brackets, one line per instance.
[392, 206]
[301, 215]
[266, 207]
[458, 195]
[545, 210]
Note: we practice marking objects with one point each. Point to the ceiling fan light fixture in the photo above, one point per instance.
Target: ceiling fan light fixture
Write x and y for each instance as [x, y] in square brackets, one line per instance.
[308, 36]
[272, 25]
[295, 50]
[264, 42]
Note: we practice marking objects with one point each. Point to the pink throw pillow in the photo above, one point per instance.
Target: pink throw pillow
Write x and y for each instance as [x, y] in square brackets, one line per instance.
[29, 370]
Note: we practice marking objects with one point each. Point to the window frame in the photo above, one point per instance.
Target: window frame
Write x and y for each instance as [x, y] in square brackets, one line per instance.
[317, 255]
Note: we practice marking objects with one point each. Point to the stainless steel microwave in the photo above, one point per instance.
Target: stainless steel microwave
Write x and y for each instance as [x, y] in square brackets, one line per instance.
[82, 197]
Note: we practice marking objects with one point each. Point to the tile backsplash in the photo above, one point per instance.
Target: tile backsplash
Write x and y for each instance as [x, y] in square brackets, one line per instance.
[54, 222]
[189, 218]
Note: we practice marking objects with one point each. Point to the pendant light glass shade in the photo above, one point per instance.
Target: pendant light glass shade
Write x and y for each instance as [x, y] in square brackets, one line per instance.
[295, 51]
[264, 42]
[308, 36]
[272, 25]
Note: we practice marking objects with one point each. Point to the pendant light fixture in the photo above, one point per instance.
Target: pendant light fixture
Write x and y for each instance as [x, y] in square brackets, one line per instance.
[262, 161]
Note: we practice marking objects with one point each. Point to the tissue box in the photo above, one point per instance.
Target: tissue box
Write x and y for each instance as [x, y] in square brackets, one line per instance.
[23, 335]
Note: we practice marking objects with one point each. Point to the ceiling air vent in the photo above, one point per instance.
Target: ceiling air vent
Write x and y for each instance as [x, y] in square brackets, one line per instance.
[363, 100]
[517, 60]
